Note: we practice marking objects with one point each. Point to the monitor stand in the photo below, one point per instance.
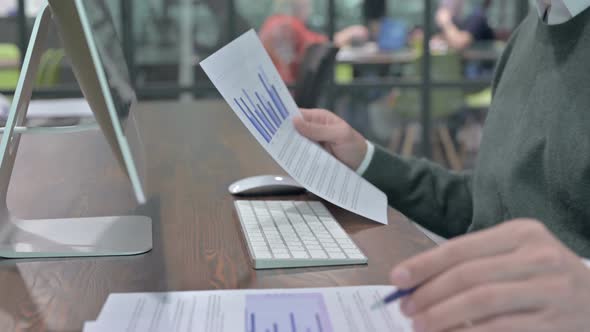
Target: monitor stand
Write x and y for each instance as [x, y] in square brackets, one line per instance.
[76, 237]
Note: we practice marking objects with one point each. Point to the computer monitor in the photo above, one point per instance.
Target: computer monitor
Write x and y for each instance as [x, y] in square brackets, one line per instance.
[91, 43]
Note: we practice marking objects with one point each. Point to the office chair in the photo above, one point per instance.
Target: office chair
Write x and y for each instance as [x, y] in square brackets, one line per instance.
[9, 76]
[49, 68]
[444, 103]
[315, 71]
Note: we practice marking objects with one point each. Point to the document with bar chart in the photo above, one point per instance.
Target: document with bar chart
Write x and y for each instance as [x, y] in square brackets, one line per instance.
[346, 309]
[246, 78]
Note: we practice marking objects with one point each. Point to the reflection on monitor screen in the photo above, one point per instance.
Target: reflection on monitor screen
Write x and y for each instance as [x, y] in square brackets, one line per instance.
[111, 55]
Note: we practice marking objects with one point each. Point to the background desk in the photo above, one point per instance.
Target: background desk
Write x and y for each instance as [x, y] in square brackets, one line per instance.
[370, 54]
[194, 152]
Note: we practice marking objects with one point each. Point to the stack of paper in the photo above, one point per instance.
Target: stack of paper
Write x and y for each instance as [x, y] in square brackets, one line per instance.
[51, 108]
[306, 310]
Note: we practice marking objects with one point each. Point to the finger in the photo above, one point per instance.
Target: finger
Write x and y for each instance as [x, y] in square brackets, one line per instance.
[517, 266]
[519, 322]
[316, 115]
[328, 148]
[485, 302]
[316, 131]
[496, 241]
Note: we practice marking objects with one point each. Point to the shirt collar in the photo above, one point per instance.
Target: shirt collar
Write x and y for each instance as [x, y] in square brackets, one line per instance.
[576, 6]
[562, 10]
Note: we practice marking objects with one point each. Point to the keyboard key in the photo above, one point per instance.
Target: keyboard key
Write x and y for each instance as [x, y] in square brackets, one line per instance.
[357, 256]
[318, 254]
[277, 246]
[337, 255]
[282, 256]
[299, 254]
[352, 253]
[308, 238]
[262, 254]
[324, 236]
[266, 255]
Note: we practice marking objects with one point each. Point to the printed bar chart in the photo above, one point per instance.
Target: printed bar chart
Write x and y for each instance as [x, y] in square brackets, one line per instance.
[266, 114]
[287, 313]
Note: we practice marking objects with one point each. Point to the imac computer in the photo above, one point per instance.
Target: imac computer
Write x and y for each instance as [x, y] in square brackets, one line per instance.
[93, 48]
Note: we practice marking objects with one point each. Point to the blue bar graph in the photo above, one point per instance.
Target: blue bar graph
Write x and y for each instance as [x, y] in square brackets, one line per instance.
[293, 324]
[274, 96]
[261, 115]
[253, 120]
[268, 108]
[267, 111]
[287, 313]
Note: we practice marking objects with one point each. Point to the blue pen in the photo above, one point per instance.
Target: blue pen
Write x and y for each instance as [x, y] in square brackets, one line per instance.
[393, 297]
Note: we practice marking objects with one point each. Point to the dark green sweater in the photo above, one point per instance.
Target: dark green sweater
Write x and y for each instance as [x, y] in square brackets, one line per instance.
[534, 160]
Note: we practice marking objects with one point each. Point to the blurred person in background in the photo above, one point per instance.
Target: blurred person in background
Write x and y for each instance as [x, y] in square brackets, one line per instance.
[460, 33]
[286, 36]
[374, 11]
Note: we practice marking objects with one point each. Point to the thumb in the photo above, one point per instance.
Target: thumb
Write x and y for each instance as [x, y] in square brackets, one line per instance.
[316, 132]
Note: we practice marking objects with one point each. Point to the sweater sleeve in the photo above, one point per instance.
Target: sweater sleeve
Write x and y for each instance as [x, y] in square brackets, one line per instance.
[430, 195]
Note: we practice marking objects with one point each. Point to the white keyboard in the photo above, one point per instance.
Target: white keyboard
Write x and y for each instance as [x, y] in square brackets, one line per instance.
[283, 234]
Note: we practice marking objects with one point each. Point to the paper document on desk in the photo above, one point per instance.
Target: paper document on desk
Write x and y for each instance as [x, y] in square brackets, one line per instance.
[246, 78]
[309, 310]
[54, 108]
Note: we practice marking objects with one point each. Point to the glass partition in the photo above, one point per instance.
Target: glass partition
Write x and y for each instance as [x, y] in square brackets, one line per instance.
[395, 55]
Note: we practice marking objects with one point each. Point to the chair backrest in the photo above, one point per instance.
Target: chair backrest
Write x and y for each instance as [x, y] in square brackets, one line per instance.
[9, 51]
[9, 76]
[444, 102]
[448, 68]
[49, 68]
[315, 71]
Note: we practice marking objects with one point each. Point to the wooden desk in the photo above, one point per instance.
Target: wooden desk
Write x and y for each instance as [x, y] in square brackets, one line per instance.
[484, 51]
[370, 54]
[194, 152]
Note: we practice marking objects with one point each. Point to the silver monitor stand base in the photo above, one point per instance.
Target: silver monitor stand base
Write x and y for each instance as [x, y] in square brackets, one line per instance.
[76, 237]
[103, 236]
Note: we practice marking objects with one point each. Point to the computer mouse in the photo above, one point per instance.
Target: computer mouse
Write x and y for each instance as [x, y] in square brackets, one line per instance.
[266, 185]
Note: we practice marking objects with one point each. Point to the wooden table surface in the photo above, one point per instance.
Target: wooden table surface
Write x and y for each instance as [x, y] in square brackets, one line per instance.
[195, 151]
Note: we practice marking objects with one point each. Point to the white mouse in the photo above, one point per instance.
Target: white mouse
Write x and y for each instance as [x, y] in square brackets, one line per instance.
[266, 185]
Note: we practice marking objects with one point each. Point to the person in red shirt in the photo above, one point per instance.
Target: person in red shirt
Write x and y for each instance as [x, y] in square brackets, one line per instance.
[286, 37]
